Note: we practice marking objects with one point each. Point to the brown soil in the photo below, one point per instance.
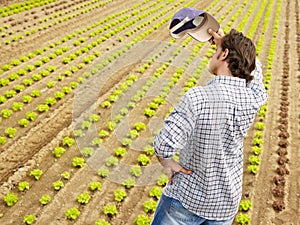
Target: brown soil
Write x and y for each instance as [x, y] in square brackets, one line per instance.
[32, 147]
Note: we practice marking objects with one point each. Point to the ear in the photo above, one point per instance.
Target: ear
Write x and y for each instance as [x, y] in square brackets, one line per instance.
[224, 54]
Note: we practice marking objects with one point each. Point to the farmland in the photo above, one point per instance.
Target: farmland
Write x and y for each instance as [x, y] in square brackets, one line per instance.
[86, 85]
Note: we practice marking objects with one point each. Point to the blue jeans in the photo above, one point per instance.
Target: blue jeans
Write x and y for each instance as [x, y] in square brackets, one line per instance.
[171, 212]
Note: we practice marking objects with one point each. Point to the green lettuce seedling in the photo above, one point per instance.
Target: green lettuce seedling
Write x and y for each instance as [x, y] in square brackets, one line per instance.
[29, 219]
[95, 186]
[23, 185]
[72, 213]
[10, 199]
[120, 195]
[45, 199]
[83, 198]
[36, 173]
[142, 219]
[110, 210]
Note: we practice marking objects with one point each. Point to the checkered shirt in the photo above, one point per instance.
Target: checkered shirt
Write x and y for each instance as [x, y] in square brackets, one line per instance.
[208, 127]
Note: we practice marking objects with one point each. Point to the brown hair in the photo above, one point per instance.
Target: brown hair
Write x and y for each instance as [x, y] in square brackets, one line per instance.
[241, 56]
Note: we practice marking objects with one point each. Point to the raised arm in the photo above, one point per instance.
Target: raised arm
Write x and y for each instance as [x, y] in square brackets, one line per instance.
[257, 86]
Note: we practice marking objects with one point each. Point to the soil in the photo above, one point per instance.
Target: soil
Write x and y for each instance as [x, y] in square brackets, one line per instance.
[273, 202]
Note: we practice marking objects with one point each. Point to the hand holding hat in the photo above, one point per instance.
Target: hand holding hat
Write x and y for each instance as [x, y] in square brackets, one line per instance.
[193, 22]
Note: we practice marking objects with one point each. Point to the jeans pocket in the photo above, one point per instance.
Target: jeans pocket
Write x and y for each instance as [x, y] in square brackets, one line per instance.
[179, 213]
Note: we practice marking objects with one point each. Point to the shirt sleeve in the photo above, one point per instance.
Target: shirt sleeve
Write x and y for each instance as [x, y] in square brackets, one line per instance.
[177, 129]
[257, 86]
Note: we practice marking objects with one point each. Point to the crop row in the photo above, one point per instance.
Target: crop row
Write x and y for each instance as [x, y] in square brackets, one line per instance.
[6, 113]
[282, 151]
[23, 6]
[257, 147]
[58, 18]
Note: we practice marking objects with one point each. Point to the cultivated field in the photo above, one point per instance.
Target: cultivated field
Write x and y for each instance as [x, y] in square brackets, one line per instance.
[86, 85]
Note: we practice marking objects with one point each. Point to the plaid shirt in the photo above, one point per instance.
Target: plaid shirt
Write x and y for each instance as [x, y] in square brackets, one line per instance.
[208, 127]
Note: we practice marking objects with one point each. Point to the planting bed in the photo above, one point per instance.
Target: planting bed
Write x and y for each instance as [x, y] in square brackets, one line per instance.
[85, 86]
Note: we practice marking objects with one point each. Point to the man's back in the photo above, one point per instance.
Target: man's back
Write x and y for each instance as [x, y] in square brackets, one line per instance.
[208, 127]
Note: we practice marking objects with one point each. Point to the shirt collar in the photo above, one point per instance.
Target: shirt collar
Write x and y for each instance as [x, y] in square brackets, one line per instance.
[228, 80]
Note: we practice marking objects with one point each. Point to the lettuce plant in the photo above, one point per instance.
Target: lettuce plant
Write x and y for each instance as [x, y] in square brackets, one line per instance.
[133, 134]
[254, 160]
[120, 151]
[29, 219]
[17, 106]
[78, 133]
[127, 141]
[43, 108]
[67, 141]
[2, 99]
[45, 199]
[6, 113]
[10, 199]
[111, 125]
[58, 151]
[243, 219]
[27, 99]
[106, 104]
[256, 150]
[245, 205]
[129, 183]
[10, 132]
[260, 126]
[112, 161]
[142, 220]
[95, 185]
[103, 172]
[253, 169]
[103, 133]
[36, 173]
[83, 198]
[72, 213]
[110, 210]
[87, 151]
[120, 195]
[140, 126]
[57, 185]
[101, 222]
[97, 141]
[66, 175]
[23, 185]
[136, 171]
[86, 124]
[162, 180]
[31, 116]
[143, 159]
[2, 140]
[36, 93]
[78, 162]
[50, 101]
[156, 192]
[149, 150]
[94, 118]
[150, 206]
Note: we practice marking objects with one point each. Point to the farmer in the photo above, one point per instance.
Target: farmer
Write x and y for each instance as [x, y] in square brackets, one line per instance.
[208, 127]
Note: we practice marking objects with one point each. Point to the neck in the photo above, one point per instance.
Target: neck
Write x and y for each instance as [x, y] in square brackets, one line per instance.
[223, 71]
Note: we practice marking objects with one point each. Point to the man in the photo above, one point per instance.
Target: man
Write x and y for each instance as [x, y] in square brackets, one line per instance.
[208, 127]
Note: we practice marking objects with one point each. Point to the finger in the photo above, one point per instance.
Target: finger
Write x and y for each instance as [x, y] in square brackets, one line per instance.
[185, 171]
[170, 179]
[214, 34]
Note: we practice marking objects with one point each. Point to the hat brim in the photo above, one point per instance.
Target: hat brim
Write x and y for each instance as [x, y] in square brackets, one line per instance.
[200, 33]
[179, 25]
